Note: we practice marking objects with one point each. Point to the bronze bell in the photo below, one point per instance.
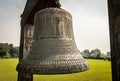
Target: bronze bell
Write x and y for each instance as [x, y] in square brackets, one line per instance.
[53, 50]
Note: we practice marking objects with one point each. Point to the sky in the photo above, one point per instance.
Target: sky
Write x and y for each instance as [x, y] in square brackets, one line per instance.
[90, 22]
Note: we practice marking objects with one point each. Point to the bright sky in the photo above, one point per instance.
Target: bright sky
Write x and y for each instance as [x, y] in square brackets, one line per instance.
[90, 22]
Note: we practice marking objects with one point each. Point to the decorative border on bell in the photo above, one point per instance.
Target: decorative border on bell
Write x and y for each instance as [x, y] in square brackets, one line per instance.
[60, 10]
[53, 67]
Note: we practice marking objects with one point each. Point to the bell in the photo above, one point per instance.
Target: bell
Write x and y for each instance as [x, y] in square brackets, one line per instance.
[53, 49]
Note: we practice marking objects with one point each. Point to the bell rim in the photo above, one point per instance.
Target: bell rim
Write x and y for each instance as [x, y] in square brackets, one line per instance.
[62, 68]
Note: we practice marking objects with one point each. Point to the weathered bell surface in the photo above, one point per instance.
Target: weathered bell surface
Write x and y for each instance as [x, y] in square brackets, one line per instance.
[53, 50]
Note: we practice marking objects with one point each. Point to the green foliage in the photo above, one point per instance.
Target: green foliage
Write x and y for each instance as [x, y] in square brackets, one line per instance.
[4, 49]
[107, 58]
[86, 53]
[8, 50]
[14, 51]
[99, 71]
[95, 54]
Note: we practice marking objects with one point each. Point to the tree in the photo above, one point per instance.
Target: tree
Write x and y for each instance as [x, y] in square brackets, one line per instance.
[11, 49]
[8, 50]
[96, 53]
[85, 53]
[4, 49]
[108, 54]
[14, 51]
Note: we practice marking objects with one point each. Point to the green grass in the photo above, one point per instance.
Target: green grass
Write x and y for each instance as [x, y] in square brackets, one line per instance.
[99, 71]
[7, 70]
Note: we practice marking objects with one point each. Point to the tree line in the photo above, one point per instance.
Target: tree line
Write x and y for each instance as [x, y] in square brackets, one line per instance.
[95, 54]
[8, 50]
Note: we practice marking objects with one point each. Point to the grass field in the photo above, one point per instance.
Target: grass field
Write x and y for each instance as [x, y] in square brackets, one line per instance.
[99, 71]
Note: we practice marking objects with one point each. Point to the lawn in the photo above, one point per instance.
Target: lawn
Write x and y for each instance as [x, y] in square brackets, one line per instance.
[99, 71]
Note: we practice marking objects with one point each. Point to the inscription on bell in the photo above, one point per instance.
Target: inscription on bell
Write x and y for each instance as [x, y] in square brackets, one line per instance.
[53, 26]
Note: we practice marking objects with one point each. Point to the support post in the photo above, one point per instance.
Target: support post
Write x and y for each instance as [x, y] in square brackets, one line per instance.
[114, 23]
[25, 77]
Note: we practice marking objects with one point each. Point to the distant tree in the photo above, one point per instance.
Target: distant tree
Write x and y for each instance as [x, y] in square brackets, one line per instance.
[86, 53]
[11, 50]
[96, 53]
[14, 51]
[8, 50]
[108, 54]
[4, 49]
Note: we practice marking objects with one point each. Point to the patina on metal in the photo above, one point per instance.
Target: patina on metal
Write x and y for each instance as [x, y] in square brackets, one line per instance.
[54, 50]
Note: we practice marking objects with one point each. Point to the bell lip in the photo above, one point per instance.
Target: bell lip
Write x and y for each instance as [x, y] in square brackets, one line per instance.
[84, 67]
[56, 73]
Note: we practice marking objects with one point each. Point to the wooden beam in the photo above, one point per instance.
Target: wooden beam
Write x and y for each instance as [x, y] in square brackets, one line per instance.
[114, 23]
